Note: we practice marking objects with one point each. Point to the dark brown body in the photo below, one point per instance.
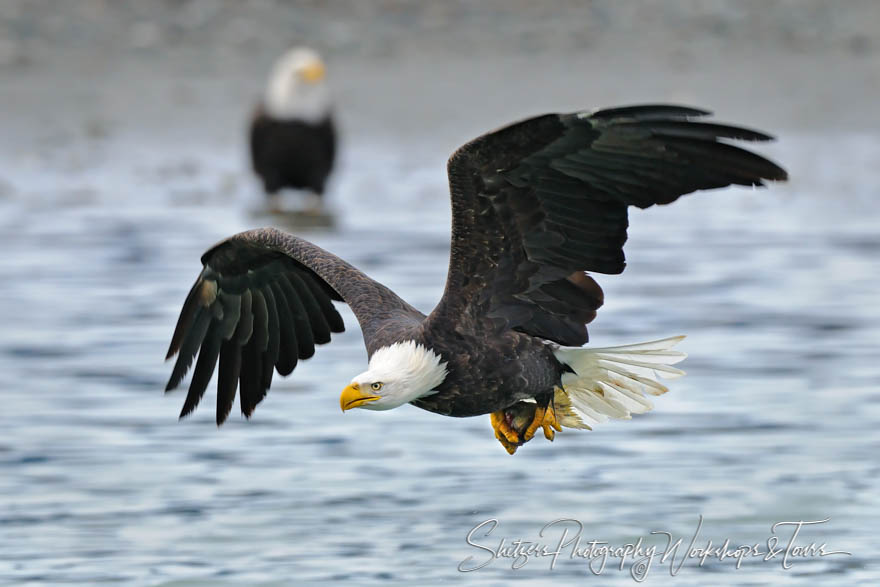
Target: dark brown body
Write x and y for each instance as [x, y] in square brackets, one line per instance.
[488, 373]
[292, 153]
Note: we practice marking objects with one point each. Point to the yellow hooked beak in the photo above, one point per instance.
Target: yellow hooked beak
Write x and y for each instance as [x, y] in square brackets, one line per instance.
[313, 72]
[353, 397]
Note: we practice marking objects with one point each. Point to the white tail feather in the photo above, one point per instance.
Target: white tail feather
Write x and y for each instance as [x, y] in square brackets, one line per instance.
[611, 382]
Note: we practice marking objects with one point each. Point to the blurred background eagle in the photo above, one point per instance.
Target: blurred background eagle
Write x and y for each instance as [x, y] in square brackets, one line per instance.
[292, 134]
[535, 205]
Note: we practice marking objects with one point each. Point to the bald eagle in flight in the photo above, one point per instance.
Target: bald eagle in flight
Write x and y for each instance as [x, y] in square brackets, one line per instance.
[292, 137]
[535, 205]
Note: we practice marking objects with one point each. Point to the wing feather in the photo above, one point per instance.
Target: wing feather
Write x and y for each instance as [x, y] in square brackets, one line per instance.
[192, 340]
[304, 335]
[288, 348]
[249, 379]
[543, 199]
[204, 368]
[245, 327]
[274, 343]
[227, 378]
[262, 302]
[320, 328]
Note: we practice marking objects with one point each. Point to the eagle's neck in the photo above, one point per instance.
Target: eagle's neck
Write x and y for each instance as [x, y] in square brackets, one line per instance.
[416, 369]
[288, 100]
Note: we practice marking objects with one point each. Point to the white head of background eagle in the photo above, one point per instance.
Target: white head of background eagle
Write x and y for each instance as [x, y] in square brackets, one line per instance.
[297, 88]
[397, 374]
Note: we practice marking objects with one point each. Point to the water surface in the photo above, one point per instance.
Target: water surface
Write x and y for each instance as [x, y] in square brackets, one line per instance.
[101, 233]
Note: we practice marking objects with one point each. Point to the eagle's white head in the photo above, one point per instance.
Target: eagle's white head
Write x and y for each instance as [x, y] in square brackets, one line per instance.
[397, 374]
[297, 88]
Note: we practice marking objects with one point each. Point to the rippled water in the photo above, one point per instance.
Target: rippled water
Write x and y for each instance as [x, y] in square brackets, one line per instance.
[776, 420]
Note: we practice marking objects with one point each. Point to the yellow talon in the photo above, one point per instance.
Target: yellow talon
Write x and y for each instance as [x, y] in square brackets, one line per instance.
[527, 417]
[508, 446]
[533, 426]
[504, 432]
[544, 418]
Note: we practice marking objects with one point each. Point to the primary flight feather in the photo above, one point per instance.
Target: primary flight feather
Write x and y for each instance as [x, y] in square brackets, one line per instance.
[535, 205]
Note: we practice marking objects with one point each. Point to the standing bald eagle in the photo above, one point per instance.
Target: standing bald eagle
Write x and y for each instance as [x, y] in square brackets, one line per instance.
[293, 140]
[534, 206]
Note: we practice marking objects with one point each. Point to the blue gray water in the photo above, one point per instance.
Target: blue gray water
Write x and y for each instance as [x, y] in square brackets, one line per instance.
[775, 421]
[103, 219]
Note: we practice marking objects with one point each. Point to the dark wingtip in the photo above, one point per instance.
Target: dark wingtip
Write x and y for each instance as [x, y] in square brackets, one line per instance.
[188, 408]
[777, 173]
[650, 112]
[201, 294]
[177, 337]
[757, 135]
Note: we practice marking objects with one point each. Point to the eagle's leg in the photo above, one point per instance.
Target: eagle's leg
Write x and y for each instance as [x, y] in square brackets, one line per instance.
[274, 203]
[312, 203]
[545, 418]
[517, 424]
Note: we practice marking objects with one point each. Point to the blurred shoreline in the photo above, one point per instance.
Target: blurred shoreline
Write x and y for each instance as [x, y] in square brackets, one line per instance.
[806, 65]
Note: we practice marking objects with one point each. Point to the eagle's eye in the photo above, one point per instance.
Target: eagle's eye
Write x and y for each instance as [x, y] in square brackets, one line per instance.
[376, 386]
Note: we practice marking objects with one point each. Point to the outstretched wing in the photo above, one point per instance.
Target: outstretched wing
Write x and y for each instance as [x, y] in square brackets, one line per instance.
[539, 202]
[262, 302]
